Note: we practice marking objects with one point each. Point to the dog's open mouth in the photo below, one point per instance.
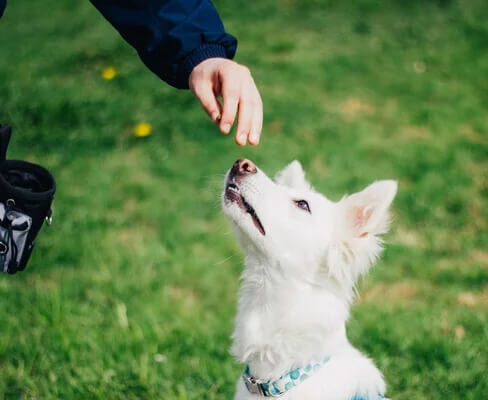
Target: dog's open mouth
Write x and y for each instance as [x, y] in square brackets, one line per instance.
[232, 194]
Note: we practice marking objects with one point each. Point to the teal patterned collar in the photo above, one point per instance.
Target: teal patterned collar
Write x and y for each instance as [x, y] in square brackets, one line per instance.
[283, 383]
[288, 381]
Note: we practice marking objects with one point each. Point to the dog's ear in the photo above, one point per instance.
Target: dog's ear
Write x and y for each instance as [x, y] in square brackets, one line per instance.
[366, 212]
[361, 218]
[292, 176]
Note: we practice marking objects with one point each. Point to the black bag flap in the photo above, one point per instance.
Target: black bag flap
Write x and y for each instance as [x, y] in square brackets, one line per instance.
[5, 134]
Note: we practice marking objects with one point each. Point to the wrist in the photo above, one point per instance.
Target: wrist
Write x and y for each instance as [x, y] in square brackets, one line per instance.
[200, 54]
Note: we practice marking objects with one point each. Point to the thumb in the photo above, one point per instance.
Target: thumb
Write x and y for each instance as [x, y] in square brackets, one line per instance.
[205, 95]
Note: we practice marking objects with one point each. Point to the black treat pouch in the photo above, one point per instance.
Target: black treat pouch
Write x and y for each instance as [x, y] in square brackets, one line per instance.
[26, 193]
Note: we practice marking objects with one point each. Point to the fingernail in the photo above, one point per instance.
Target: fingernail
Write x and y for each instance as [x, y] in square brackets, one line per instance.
[242, 138]
[215, 116]
[226, 128]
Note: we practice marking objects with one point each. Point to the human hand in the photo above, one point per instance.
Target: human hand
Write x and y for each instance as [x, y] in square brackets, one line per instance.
[216, 77]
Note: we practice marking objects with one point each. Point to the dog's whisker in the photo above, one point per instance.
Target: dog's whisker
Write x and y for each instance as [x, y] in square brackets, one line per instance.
[224, 260]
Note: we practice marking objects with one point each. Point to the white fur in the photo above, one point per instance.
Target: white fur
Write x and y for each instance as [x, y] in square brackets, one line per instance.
[299, 281]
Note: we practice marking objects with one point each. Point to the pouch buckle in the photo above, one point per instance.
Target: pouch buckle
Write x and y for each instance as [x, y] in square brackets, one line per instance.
[3, 248]
[49, 218]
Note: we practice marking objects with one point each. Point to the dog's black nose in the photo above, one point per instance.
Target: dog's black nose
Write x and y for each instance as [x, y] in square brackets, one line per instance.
[243, 167]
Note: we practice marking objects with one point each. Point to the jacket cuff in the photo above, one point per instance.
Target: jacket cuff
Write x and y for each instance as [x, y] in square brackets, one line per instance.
[207, 50]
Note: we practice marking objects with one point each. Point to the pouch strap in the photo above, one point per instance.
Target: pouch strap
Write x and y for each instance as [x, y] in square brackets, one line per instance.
[5, 134]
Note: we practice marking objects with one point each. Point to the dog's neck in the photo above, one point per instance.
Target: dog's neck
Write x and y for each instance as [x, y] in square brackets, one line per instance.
[283, 322]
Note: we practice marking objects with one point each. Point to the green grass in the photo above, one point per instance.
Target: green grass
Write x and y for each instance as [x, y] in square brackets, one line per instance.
[131, 293]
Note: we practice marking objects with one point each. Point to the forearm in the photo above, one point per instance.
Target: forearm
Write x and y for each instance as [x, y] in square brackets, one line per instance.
[171, 36]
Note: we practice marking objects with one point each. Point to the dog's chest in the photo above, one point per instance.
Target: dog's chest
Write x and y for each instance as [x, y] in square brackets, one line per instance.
[269, 325]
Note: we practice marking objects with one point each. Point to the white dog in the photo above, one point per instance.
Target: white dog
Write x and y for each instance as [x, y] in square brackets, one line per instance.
[303, 257]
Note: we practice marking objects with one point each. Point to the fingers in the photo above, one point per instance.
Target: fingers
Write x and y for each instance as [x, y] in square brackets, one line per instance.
[218, 76]
[230, 98]
[250, 120]
[246, 101]
[245, 120]
[257, 122]
[206, 96]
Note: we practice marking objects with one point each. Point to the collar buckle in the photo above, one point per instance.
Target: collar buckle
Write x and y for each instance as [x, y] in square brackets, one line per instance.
[252, 385]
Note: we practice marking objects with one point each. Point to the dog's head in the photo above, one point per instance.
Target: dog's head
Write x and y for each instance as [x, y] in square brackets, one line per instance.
[288, 226]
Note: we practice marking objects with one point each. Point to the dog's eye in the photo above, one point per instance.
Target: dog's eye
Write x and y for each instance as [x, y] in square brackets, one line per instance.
[303, 205]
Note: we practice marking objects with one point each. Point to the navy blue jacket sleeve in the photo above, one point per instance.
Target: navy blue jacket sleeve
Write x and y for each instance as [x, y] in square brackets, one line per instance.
[3, 4]
[171, 36]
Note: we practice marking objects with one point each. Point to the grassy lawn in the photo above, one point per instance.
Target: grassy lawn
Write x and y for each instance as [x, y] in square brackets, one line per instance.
[131, 293]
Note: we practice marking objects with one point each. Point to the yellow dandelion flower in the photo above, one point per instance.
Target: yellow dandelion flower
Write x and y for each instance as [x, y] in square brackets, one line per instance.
[142, 129]
[109, 73]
